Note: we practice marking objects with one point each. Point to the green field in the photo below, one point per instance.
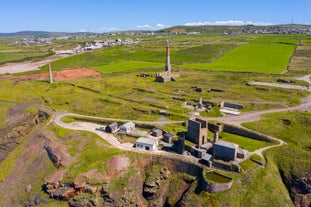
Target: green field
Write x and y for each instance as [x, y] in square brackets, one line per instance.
[128, 65]
[259, 58]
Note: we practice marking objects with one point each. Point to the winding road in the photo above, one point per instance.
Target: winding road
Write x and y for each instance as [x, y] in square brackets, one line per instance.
[232, 120]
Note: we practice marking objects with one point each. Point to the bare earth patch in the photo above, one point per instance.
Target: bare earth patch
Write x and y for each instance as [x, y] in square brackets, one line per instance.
[68, 74]
[118, 164]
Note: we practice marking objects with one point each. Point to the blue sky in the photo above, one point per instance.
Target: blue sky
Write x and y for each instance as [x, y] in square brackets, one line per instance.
[108, 15]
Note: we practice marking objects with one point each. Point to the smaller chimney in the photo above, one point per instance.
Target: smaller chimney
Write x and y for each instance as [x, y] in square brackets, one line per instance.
[50, 74]
[216, 136]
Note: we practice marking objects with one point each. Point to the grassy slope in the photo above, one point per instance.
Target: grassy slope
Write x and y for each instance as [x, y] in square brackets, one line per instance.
[261, 58]
[294, 158]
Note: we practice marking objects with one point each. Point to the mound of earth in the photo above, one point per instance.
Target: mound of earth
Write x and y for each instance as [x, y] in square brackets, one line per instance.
[68, 74]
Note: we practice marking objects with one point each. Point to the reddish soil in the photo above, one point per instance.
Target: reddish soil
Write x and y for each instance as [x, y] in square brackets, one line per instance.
[68, 74]
[118, 164]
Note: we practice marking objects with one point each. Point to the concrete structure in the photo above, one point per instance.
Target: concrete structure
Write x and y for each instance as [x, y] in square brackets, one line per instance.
[197, 131]
[198, 152]
[50, 74]
[126, 128]
[226, 151]
[207, 159]
[146, 143]
[166, 75]
[168, 137]
[112, 128]
[156, 132]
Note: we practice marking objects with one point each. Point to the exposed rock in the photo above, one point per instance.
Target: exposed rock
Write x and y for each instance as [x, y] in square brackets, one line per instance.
[82, 202]
[299, 189]
[37, 200]
[54, 158]
[65, 191]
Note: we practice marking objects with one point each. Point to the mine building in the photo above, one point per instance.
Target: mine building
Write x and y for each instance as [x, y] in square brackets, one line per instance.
[156, 132]
[168, 137]
[197, 131]
[226, 151]
[146, 143]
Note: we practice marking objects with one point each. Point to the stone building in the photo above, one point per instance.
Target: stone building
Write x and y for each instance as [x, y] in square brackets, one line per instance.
[197, 131]
[226, 151]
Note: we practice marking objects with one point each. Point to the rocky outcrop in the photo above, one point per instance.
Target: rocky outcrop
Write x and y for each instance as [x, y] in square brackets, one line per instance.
[53, 157]
[65, 191]
[37, 200]
[299, 189]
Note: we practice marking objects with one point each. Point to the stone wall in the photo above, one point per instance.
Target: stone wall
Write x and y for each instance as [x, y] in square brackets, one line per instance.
[182, 166]
[246, 133]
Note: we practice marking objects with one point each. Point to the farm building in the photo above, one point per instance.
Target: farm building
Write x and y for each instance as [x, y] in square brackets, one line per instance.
[112, 128]
[128, 127]
[146, 143]
[225, 150]
[168, 137]
[197, 131]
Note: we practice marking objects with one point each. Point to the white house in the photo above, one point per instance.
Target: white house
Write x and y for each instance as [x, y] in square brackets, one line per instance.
[146, 143]
[126, 128]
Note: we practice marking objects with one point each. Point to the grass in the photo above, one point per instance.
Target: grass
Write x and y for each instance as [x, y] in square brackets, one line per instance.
[259, 58]
[4, 108]
[244, 142]
[294, 158]
[254, 185]
[126, 66]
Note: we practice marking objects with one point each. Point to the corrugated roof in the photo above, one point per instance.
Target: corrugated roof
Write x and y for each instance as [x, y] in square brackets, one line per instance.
[147, 141]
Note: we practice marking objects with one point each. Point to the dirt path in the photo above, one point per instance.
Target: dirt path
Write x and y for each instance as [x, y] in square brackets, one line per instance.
[10, 68]
[233, 120]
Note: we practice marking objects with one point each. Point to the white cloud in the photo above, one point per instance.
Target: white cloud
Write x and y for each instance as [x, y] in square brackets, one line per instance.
[161, 26]
[146, 26]
[228, 23]
[82, 30]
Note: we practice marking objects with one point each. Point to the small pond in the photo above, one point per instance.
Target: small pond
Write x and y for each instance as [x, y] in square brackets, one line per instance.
[216, 177]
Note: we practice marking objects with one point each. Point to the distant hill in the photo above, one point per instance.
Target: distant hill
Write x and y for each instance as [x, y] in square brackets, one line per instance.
[177, 29]
[41, 34]
[220, 29]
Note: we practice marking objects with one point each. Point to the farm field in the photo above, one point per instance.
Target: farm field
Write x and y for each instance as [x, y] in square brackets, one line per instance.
[259, 58]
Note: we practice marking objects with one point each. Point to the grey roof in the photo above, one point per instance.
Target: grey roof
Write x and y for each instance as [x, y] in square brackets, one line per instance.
[168, 135]
[207, 157]
[226, 144]
[157, 130]
[147, 141]
[128, 125]
[113, 125]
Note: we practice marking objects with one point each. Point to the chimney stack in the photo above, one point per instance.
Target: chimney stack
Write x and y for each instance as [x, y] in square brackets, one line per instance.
[216, 136]
[50, 74]
[168, 64]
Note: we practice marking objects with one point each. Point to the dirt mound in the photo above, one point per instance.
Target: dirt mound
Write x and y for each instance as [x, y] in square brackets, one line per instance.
[68, 74]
